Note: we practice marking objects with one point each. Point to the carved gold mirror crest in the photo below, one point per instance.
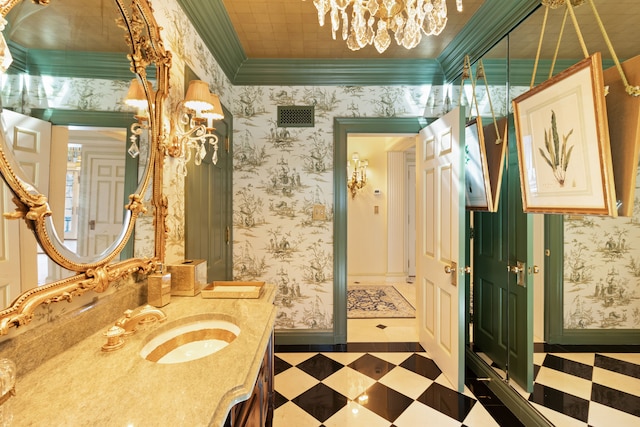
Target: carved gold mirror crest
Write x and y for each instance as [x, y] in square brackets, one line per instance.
[96, 271]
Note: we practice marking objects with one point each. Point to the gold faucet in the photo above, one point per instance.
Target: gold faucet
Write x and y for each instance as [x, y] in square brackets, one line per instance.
[140, 316]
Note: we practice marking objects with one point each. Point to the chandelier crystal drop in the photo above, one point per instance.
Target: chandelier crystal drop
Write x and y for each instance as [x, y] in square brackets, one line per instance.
[371, 20]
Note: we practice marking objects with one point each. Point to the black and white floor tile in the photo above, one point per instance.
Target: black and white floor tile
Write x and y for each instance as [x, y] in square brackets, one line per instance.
[392, 382]
[588, 389]
[371, 386]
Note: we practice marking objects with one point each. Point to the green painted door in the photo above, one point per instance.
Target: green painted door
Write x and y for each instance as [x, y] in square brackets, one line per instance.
[490, 283]
[208, 208]
[520, 248]
[503, 298]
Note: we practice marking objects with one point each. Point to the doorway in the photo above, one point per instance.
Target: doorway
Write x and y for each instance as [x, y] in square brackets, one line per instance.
[381, 300]
[343, 127]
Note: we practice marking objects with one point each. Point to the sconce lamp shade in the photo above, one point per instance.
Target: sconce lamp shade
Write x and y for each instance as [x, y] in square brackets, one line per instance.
[216, 112]
[198, 96]
[136, 96]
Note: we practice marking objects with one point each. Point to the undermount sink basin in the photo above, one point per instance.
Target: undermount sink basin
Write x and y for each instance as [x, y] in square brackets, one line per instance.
[190, 340]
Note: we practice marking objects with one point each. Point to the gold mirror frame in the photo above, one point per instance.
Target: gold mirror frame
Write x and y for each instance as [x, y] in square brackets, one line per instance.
[143, 37]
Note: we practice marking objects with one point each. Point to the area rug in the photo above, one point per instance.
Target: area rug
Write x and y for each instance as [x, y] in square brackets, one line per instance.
[372, 301]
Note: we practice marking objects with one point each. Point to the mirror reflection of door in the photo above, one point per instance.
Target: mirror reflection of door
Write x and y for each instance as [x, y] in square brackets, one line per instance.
[30, 139]
[9, 259]
[86, 196]
[101, 189]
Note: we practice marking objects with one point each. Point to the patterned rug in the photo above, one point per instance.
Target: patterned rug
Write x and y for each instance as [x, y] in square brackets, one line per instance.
[372, 301]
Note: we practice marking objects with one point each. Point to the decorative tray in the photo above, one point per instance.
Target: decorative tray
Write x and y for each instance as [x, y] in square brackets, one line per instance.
[232, 289]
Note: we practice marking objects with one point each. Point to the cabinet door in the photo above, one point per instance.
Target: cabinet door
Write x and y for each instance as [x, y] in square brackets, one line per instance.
[257, 411]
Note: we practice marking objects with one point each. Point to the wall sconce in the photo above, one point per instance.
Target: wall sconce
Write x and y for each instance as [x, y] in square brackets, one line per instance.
[192, 123]
[137, 99]
[358, 177]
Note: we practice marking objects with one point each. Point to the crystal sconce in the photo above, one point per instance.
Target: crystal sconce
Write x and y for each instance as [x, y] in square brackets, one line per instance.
[137, 99]
[192, 124]
[358, 177]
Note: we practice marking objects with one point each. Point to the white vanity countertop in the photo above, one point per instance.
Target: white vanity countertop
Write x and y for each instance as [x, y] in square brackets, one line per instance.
[84, 386]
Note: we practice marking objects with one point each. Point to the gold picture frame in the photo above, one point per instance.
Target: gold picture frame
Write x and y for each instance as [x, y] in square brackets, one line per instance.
[563, 145]
[485, 154]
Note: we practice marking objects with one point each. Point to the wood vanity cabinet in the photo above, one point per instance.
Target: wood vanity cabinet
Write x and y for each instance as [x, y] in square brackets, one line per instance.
[257, 411]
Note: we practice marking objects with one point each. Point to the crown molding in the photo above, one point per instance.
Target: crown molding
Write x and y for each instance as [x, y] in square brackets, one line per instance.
[493, 20]
[347, 72]
[58, 116]
[212, 23]
[60, 63]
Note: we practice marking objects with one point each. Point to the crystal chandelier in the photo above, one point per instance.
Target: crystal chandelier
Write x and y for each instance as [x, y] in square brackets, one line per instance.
[408, 19]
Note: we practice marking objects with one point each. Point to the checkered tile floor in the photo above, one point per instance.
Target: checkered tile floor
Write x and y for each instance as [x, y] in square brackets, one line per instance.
[587, 389]
[375, 388]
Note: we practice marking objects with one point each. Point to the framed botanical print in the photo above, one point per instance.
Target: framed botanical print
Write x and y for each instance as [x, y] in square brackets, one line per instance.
[563, 143]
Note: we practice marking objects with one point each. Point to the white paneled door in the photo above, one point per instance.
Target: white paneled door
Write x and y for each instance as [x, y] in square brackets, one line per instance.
[440, 235]
[30, 141]
[102, 189]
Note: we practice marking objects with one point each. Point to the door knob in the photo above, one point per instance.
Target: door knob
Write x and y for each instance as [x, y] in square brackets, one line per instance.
[453, 270]
[519, 270]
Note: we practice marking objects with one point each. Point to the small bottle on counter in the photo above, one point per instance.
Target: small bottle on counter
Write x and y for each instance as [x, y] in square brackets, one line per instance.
[159, 288]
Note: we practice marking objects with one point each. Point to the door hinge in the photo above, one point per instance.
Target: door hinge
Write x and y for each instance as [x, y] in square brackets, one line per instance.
[227, 235]
[226, 143]
[472, 233]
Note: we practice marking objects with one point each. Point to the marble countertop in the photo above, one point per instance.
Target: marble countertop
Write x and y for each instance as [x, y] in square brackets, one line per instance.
[84, 386]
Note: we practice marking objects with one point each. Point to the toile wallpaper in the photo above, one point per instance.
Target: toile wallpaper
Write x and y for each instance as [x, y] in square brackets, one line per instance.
[602, 271]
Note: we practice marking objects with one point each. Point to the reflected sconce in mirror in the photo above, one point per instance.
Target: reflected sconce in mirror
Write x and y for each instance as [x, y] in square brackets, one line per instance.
[192, 124]
[137, 99]
[357, 177]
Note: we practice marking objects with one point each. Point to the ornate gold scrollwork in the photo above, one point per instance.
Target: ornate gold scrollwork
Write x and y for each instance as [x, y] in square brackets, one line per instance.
[143, 36]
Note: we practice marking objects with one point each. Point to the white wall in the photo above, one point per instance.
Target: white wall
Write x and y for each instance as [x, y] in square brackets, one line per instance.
[366, 229]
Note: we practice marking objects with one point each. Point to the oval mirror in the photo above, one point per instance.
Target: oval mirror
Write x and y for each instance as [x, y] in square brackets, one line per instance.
[71, 74]
[51, 87]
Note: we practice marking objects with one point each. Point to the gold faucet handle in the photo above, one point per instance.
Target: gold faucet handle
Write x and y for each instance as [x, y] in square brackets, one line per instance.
[114, 338]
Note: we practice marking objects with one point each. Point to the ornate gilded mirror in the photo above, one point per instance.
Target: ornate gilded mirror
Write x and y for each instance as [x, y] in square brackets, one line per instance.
[45, 57]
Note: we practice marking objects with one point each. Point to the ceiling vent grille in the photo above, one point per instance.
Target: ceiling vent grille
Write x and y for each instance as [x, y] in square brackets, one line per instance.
[296, 116]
